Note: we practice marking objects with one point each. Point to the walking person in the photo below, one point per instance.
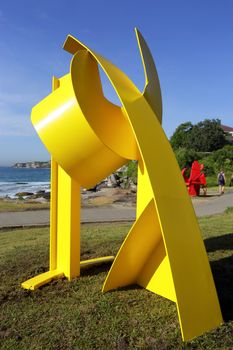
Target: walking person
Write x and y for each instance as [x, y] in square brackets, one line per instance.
[221, 182]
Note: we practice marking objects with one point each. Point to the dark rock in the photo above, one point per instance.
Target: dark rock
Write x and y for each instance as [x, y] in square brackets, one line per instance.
[23, 194]
[45, 195]
[93, 189]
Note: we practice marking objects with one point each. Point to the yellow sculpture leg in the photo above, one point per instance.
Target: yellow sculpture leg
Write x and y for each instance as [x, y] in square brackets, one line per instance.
[90, 137]
[53, 214]
[64, 229]
[142, 250]
[68, 225]
[53, 201]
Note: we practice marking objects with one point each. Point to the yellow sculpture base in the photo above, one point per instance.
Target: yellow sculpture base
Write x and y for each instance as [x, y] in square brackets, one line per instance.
[40, 280]
[46, 277]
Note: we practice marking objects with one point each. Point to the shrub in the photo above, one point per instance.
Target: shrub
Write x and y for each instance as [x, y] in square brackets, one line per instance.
[185, 157]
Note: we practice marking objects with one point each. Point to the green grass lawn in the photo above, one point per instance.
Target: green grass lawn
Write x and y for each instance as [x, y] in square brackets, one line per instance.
[76, 315]
[21, 205]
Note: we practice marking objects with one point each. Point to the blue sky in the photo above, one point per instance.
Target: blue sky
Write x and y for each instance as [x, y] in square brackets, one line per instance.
[191, 42]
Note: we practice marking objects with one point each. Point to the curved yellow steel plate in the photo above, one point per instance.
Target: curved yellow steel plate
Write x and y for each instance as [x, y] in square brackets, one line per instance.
[89, 137]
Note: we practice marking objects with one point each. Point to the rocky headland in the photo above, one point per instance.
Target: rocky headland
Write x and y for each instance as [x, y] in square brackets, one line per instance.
[32, 165]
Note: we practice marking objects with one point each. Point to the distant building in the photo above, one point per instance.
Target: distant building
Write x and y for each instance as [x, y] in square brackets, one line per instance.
[227, 129]
[228, 132]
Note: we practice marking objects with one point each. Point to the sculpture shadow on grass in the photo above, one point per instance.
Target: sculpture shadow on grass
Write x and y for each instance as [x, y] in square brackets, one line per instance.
[224, 242]
[95, 269]
[222, 270]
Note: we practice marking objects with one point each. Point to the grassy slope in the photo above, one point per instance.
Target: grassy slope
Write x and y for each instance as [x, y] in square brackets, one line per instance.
[76, 315]
[6, 205]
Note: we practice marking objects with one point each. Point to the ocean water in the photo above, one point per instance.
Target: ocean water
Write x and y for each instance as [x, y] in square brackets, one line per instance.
[14, 180]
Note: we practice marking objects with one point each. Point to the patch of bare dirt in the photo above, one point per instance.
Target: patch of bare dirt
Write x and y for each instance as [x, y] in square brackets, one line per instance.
[109, 196]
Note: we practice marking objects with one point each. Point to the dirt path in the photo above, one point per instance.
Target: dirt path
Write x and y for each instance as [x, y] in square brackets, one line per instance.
[214, 204]
[41, 217]
[210, 205]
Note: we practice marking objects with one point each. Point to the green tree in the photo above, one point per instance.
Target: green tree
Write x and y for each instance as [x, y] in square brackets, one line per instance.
[210, 166]
[207, 136]
[223, 158]
[185, 157]
[220, 159]
[181, 136]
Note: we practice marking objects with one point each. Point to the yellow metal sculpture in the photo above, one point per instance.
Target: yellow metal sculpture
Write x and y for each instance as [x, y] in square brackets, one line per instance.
[89, 137]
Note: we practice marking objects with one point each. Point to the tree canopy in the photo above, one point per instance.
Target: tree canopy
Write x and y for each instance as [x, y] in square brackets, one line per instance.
[181, 136]
[205, 136]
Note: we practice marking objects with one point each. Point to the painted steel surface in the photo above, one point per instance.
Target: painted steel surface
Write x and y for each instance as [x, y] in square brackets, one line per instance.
[88, 138]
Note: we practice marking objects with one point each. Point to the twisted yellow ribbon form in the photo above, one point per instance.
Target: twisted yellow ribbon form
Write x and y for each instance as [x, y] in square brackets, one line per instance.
[89, 137]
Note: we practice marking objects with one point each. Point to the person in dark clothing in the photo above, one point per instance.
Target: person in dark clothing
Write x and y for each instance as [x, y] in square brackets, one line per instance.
[221, 182]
